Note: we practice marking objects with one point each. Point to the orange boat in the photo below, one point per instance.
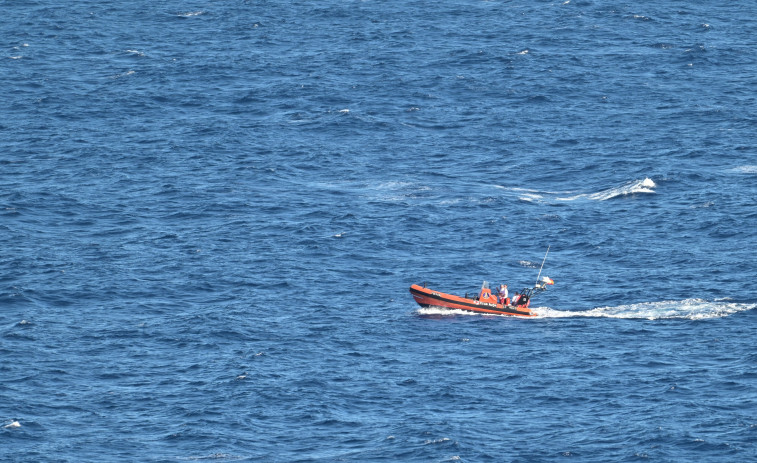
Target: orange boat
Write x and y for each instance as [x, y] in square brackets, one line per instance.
[485, 302]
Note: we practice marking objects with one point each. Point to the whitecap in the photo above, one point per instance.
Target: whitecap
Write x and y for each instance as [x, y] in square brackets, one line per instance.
[528, 264]
[639, 186]
[449, 202]
[647, 185]
[703, 205]
[530, 197]
[12, 424]
[118, 76]
[394, 185]
[190, 14]
[749, 169]
[436, 441]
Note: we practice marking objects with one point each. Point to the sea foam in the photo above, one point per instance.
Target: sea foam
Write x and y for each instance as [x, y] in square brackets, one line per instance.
[691, 309]
[639, 186]
[647, 185]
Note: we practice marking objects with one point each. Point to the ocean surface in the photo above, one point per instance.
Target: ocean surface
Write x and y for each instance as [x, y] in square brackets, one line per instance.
[211, 213]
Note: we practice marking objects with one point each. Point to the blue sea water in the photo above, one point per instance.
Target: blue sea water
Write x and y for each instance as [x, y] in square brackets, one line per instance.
[211, 212]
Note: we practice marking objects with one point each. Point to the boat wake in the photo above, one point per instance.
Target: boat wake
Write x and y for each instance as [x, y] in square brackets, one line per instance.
[439, 312]
[690, 309]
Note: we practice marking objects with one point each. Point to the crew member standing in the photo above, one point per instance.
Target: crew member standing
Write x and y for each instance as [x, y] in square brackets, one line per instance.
[502, 293]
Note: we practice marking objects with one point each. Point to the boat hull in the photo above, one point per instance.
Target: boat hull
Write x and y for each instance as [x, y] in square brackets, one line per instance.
[426, 297]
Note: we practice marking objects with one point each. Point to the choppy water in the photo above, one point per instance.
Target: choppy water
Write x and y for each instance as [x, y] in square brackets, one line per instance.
[211, 212]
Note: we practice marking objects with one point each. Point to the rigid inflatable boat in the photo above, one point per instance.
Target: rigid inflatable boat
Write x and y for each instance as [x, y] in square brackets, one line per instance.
[485, 302]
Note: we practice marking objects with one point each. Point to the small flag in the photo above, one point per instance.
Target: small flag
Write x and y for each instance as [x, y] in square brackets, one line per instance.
[548, 281]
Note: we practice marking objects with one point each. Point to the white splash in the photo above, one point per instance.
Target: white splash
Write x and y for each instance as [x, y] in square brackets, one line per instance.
[691, 309]
[12, 424]
[442, 312]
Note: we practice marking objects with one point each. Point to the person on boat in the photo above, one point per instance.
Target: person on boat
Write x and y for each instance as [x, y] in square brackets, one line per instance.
[516, 298]
[502, 293]
[522, 300]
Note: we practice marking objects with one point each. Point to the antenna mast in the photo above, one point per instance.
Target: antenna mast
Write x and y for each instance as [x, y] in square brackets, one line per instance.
[542, 265]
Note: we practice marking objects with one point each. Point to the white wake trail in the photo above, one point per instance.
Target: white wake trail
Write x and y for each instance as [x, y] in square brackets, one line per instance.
[691, 309]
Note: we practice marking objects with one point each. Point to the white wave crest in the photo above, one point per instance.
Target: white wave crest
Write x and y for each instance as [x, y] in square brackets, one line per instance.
[528, 264]
[12, 424]
[745, 169]
[531, 197]
[638, 186]
[646, 185]
[691, 309]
